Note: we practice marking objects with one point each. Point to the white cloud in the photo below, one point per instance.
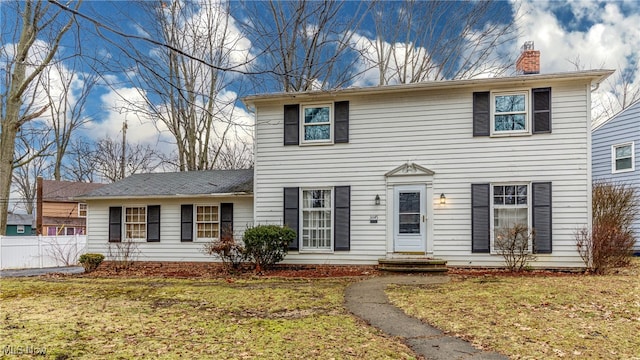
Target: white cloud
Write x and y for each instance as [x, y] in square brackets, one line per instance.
[598, 35]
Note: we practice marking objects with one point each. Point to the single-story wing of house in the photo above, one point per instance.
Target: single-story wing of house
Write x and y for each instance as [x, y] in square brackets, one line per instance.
[169, 216]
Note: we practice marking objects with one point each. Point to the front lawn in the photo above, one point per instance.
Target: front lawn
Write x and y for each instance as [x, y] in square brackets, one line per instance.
[535, 317]
[75, 318]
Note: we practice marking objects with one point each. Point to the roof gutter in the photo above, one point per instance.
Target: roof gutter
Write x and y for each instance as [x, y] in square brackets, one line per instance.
[166, 196]
[596, 76]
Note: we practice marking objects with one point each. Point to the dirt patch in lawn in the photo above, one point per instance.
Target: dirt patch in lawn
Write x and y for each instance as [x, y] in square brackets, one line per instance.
[217, 270]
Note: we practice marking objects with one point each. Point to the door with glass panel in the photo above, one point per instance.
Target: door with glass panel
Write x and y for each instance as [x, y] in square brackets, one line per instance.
[316, 219]
[410, 218]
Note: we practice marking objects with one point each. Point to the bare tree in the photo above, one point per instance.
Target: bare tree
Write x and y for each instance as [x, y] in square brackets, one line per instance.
[307, 43]
[236, 154]
[618, 92]
[621, 92]
[26, 59]
[418, 41]
[66, 104]
[24, 181]
[182, 95]
[78, 165]
[107, 155]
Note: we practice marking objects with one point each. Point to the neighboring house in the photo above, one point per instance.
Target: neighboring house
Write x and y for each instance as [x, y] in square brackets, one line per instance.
[58, 213]
[19, 224]
[169, 216]
[430, 169]
[616, 152]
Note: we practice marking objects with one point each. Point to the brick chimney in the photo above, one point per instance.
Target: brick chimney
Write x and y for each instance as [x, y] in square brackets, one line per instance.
[529, 60]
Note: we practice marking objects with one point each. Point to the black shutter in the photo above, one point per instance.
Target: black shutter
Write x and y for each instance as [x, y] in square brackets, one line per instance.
[186, 223]
[341, 118]
[541, 221]
[481, 114]
[115, 224]
[480, 209]
[342, 218]
[541, 110]
[226, 220]
[291, 214]
[153, 223]
[291, 124]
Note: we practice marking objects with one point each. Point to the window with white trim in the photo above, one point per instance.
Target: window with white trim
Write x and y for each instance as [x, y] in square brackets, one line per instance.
[135, 223]
[82, 210]
[317, 124]
[20, 229]
[622, 157]
[207, 222]
[510, 113]
[316, 215]
[510, 206]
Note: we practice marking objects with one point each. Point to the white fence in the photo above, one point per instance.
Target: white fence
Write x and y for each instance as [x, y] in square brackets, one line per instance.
[32, 252]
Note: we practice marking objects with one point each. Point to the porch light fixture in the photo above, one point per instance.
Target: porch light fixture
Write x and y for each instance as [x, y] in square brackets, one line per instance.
[443, 199]
[377, 199]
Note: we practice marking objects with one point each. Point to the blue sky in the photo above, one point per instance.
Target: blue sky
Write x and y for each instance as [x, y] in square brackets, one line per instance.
[595, 34]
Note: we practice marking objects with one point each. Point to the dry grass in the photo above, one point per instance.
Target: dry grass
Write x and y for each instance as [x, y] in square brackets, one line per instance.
[536, 317]
[76, 318]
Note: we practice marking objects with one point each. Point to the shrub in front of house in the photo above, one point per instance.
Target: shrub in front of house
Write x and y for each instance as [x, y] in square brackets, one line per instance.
[90, 262]
[609, 243]
[266, 245]
[230, 252]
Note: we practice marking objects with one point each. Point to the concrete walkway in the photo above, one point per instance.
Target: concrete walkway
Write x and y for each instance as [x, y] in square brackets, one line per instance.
[368, 301]
[42, 271]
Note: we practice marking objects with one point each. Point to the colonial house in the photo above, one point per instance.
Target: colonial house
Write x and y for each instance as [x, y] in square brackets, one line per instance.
[57, 212]
[431, 169]
[616, 152]
[169, 216]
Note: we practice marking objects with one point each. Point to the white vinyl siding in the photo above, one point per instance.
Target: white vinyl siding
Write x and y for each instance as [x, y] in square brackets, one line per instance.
[170, 248]
[433, 129]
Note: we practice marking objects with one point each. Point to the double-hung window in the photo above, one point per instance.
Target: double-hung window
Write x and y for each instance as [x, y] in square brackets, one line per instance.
[317, 123]
[207, 222]
[510, 208]
[82, 210]
[316, 219]
[622, 157]
[510, 113]
[135, 223]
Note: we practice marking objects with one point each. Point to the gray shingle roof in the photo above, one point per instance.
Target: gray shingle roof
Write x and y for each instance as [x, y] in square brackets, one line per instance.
[62, 191]
[187, 183]
[19, 219]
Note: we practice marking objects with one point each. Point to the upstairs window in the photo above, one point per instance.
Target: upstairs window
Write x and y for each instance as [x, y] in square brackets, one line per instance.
[622, 157]
[510, 113]
[82, 210]
[316, 124]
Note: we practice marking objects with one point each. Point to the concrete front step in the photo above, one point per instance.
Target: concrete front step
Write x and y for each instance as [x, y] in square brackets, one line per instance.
[413, 265]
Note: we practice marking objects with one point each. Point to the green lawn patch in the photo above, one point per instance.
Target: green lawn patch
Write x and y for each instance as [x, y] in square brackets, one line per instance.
[88, 318]
[535, 317]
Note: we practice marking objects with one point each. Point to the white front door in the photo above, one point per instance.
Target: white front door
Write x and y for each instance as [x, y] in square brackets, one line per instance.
[410, 218]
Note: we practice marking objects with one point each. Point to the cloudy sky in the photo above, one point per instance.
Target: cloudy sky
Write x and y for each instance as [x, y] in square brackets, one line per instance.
[584, 34]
